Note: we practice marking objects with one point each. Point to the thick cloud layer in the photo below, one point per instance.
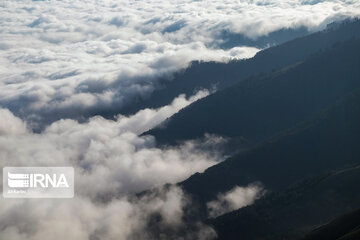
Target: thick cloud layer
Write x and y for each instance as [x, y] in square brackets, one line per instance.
[82, 219]
[109, 157]
[63, 59]
[67, 59]
[111, 161]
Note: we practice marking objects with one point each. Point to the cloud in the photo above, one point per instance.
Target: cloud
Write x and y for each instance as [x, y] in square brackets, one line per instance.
[82, 219]
[112, 163]
[236, 198]
[61, 62]
[72, 59]
[109, 156]
[11, 125]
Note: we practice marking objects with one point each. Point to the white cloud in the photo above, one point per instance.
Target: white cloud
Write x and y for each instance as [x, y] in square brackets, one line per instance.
[111, 163]
[61, 59]
[236, 198]
[82, 219]
[109, 155]
[11, 125]
[148, 118]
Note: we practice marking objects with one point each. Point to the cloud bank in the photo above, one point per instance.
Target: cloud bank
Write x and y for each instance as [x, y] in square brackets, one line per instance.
[109, 155]
[67, 59]
[111, 162]
[62, 60]
[82, 219]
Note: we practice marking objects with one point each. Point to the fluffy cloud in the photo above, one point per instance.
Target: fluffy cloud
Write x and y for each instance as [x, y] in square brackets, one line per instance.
[82, 219]
[67, 59]
[111, 162]
[11, 125]
[61, 60]
[236, 198]
[109, 155]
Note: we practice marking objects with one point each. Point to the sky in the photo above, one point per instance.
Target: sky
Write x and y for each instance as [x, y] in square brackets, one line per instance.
[60, 60]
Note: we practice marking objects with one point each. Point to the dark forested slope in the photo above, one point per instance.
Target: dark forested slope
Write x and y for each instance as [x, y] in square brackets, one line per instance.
[259, 107]
[345, 227]
[302, 123]
[326, 142]
[289, 214]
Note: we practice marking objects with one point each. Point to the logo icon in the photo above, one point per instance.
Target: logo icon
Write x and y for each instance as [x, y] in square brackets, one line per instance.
[38, 182]
[18, 180]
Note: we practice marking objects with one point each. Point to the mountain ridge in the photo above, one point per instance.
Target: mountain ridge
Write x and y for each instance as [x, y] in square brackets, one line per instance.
[260, 109]
[200, 75]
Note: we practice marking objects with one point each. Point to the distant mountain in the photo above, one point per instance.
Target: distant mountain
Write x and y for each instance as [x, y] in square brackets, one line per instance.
[345, 227]
[208, 74]
[230, 40]
[259, 107]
